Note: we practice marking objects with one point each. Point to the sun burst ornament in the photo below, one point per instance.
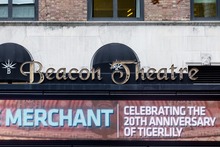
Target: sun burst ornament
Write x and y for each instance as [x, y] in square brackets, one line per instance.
[9, 65]
[116, 67]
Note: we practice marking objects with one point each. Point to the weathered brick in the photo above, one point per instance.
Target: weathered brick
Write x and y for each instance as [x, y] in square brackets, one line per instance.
[166, 10]
[62, 10]
[76, 10]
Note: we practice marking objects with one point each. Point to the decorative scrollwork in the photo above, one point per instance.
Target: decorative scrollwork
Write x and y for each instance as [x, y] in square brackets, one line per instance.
[117, 65]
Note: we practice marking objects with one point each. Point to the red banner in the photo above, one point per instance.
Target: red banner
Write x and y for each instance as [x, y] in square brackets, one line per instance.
[110, 120]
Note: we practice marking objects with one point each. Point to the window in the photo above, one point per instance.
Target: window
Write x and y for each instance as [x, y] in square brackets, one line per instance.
[115, 10]
[205, 9]
[18, 9]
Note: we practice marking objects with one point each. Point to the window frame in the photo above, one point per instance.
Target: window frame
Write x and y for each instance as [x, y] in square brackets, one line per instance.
[115, 13]
[217, 18]
[10, 18]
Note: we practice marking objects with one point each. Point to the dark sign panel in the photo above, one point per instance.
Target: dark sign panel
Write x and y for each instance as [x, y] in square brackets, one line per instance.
[110, 120]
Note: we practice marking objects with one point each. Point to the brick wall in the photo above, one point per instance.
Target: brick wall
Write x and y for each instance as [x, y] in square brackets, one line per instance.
[167, 10]
[76, 10]
[62, 10]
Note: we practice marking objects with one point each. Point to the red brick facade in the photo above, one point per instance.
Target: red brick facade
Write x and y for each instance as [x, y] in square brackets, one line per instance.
[62, 10]
[158, 10]
[76, 10]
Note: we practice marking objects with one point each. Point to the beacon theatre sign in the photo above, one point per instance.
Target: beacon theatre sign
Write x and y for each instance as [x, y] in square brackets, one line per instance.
[120, 73]
[116, 60]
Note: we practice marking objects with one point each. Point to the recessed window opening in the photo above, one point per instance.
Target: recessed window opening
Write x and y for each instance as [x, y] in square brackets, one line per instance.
[18, 9]
[205, 9]
[115, 10]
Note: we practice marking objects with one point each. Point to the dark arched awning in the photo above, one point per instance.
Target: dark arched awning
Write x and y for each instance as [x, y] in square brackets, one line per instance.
[112, 52]
[11, 57]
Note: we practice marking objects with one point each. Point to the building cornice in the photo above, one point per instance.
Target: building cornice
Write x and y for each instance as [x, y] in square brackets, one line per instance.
[109, 23]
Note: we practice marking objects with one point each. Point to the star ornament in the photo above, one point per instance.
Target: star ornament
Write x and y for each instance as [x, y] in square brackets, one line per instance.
[9, 65]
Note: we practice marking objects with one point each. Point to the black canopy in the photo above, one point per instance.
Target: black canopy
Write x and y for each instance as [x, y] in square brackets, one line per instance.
[112, 52]
[14, 52]
[11, 57]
